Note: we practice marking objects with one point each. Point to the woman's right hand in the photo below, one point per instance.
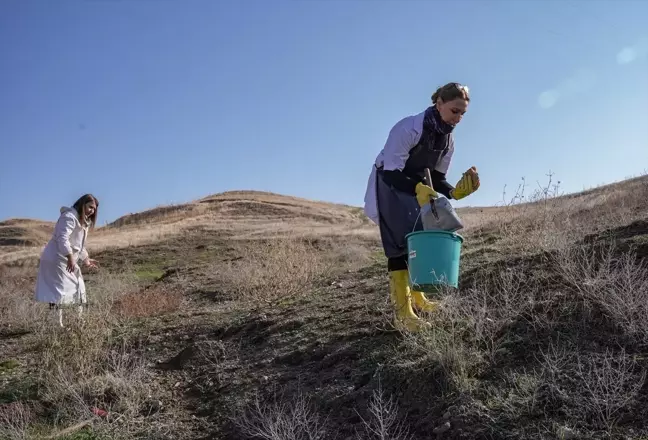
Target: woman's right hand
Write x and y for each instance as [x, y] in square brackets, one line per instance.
[424, 194]
[70, 264]
[468, 184]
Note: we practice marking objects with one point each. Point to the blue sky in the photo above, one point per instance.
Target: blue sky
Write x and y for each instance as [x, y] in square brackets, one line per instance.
[145, 102]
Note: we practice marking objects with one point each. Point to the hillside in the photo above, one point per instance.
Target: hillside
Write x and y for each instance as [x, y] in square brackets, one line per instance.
[252, 315]
[16, 233]
[235, 215]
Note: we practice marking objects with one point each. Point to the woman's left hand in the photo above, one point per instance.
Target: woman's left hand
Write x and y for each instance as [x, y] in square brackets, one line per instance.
[92, 264]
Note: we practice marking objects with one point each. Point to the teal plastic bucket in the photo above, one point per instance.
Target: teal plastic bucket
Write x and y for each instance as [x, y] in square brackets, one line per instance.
[433, 259]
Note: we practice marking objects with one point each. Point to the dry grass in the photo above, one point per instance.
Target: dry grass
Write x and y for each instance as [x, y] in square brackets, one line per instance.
[100, 376]
[24, 232]
[18, 312]
[83, 367]
[154, 301]
[548, 220]
[280, 269]
[87, 366]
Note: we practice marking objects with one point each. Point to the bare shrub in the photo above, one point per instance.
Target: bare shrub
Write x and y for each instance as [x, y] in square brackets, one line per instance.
[470, 328]
[594, 389]
[214, 359]
[517, 396]
[449, 346]
[85, 365]
[609, 386]
[276, 269]
[491, 306]
[612, 282]
[15, 419]
[153, 301]
[547, 219]
[110, 379]
[291, 420]
[527, 222]
[384, 423]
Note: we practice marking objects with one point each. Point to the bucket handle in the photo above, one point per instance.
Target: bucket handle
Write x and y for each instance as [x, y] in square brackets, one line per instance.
[428, 176]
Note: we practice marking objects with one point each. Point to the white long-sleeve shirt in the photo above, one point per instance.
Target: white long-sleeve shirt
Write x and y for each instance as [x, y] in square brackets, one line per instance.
[403, 136]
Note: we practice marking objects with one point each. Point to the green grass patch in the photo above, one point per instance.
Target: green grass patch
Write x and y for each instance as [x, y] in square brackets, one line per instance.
[8, 365]
[17, 390]
[149, 271]
[639, 240]
[83, 434]
[149, 274]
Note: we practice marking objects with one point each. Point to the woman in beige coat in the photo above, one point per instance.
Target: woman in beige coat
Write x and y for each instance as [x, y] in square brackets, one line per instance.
[60, 281]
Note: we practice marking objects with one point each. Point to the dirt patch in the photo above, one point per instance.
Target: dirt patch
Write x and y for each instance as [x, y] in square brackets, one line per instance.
[328, 347]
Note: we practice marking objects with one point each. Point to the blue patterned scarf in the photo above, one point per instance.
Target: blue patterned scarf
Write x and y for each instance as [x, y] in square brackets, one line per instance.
[433, 120]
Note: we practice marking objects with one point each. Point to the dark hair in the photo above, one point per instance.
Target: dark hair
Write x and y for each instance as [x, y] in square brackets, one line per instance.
[450, 92]
[79, 204]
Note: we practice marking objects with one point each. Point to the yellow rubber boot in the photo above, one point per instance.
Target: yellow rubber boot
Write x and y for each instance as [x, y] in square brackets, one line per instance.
[421, 303]
[404, 316]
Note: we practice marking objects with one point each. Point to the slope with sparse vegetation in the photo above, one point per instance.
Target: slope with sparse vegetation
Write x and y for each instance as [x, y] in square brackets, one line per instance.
[257, 316]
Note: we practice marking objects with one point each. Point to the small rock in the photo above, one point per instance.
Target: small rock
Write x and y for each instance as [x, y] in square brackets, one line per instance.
[177, 384]
[447, 415]
[442, 429]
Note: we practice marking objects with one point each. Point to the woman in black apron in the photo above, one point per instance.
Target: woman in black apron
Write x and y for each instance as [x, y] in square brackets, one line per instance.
[397, 189]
